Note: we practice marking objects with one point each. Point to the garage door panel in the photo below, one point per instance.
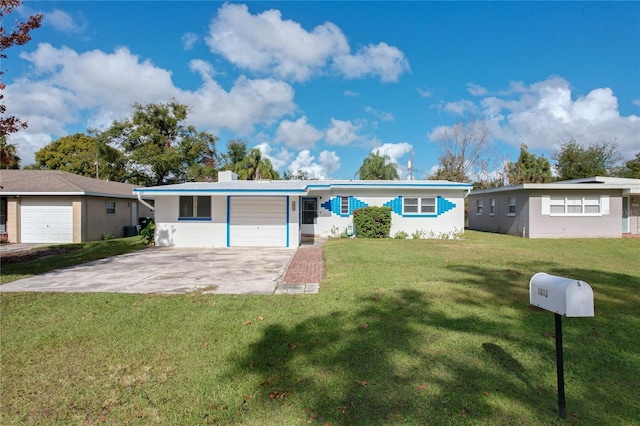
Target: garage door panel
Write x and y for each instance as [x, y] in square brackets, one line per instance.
[46, 222]
[258, 221]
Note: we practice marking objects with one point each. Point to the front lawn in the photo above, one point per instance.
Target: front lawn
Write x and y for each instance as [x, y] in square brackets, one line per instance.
[402, 331]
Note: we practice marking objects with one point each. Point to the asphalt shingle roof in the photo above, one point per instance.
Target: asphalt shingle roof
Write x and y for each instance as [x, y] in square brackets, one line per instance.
[56, 181]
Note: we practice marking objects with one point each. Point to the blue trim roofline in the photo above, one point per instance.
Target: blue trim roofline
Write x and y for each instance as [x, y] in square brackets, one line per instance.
[224, 191]
[392, 185]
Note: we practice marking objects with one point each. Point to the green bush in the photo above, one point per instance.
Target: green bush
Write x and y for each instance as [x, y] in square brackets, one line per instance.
[149, 233]
[401, 235]
[372, 222]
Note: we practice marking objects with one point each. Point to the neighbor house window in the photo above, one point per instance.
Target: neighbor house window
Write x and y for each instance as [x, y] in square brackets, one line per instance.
[512, 205]
[195, 207]
[344, 205]
[110, 207]
[479, 205]
[492, 206]
[426, 205]
[574, 205]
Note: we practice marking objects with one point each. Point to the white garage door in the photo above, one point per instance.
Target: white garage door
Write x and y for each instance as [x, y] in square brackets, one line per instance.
[46, 221]
[258, 222]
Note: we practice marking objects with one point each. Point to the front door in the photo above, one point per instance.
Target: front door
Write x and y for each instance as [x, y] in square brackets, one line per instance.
[625, 214]
[309, 214]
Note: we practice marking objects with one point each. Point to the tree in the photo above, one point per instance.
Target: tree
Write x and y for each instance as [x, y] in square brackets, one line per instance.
[297, 175]
[462, 147]
[236, 151]
[529, 168]
[575, 161]
[378, 167]
[8, 155]
[254, 166]
[160, 148]
[16, 36]
[631, 168]
[83, 155]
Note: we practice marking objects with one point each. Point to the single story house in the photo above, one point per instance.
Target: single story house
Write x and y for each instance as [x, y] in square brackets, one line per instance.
[597, 207]
[52, 206]
[280, 213]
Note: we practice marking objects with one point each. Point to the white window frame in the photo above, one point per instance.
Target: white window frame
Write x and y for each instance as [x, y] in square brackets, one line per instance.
[344, 205]
[419, 206]
[479, 207]
[195, 214]
[492, 207]
[575, 205]
[110, 208]
[512, 203]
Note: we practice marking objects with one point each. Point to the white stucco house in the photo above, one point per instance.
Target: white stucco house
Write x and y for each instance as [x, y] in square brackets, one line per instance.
[596, 207]
[280, 213]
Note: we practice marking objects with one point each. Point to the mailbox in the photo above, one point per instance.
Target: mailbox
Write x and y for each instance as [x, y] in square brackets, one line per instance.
[564, 296]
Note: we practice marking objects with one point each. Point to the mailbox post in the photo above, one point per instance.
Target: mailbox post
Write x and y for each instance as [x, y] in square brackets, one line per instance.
[562, 296]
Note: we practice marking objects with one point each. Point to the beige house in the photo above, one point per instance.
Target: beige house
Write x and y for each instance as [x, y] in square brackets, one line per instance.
[597, 207]
[52, 206]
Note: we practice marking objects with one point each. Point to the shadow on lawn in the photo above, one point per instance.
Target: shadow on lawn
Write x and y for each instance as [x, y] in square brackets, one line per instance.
[383, 362]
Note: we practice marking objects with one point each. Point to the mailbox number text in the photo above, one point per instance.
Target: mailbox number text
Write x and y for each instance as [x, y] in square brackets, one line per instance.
[543, 292]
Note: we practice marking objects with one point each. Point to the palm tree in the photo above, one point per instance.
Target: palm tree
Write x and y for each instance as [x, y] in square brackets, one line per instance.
[378, 167]
[255, 167]
[8, 155]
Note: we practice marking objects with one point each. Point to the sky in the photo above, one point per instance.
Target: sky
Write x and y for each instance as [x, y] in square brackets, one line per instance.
[318, 86]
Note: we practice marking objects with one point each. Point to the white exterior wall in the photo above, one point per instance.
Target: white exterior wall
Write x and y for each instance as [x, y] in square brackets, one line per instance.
[173, 232]
[331, 224]
[186, 233]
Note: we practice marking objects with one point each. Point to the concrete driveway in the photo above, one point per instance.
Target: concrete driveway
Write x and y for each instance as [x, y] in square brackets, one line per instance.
[239, 270]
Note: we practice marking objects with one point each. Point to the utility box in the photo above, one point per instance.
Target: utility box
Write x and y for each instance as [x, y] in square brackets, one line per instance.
[563, 296]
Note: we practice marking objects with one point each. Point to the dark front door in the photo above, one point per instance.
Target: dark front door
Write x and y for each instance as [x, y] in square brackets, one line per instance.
[309, 211]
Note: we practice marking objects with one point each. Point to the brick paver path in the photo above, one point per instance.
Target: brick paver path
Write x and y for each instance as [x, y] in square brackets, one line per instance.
[307, 266]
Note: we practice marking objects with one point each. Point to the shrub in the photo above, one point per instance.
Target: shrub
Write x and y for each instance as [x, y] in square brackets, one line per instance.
[418, 234]
[401, 235]
[107, 236]
[149, 233]
[372, 222]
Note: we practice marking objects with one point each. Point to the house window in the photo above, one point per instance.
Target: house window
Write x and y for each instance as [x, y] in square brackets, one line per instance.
[110, 208]
[512, 206]
[479, 205]
[574, 205]
[195, 207]
[344, 205]
[492, 206]
[425, 205]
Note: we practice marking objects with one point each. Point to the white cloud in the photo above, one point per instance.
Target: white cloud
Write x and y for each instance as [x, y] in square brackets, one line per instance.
[189, 40]
[341, 132]
[298, 134]
[425, 93]
[545, 114]
[351, 93]
[94, 88]
[65, 22]
[387, 62]
[395, 151]
[384, 116]
[476, 90]
[460, 108]
[329, 162]
[636, 102]
[267, 43]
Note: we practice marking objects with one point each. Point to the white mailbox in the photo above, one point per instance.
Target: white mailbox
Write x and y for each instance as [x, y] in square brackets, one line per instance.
[564, 296]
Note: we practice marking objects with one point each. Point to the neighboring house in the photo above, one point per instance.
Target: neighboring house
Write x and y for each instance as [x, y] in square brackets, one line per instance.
[234, 212]
[52, 206]
[597, 207]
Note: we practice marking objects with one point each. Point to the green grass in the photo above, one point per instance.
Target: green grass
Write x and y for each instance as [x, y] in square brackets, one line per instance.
[402, 332]
[75, 255]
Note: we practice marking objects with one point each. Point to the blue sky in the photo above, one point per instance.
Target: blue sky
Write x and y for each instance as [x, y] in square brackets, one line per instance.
[317, 86]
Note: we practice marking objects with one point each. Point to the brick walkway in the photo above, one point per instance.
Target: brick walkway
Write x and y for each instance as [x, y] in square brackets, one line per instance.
[307, 266]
